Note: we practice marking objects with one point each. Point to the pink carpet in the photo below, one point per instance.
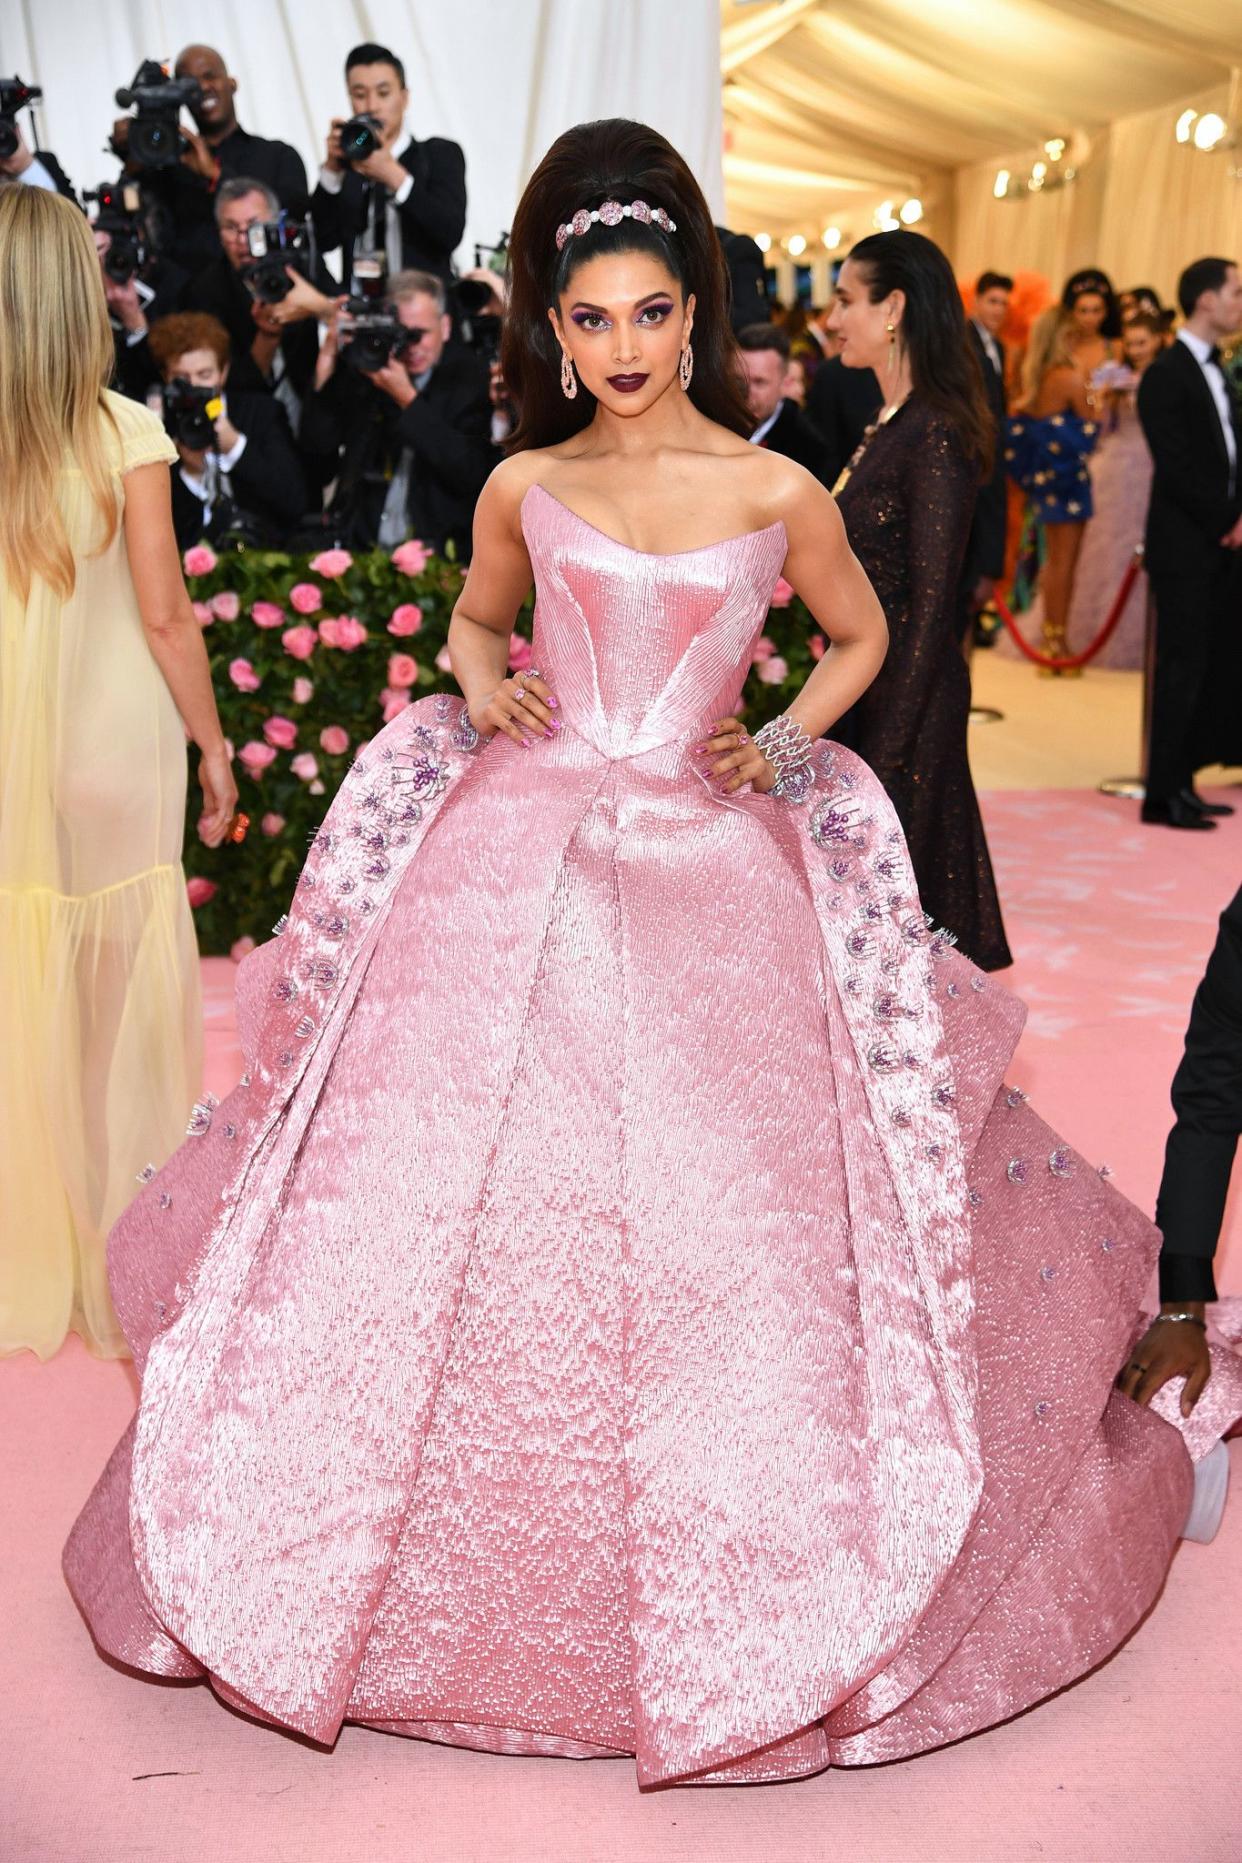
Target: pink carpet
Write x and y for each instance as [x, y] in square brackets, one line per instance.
[1112, 924]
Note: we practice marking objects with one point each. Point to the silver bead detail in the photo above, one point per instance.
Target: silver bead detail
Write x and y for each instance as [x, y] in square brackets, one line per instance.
[1017, 1171]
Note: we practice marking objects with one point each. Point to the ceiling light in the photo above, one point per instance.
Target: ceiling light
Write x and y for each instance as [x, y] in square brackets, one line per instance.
[763, 241]
[1039, 170]
[832, 237]
[1000, 187]
[797, 245]
[911, 211]
[1209, 130]
[1185, 123]
[1054, 149]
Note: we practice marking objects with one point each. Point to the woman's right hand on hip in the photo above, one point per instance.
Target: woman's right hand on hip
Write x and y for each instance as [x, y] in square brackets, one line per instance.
[215, 774]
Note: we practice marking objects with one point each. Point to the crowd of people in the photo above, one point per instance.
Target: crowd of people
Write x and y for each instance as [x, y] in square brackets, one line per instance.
[751, 1285]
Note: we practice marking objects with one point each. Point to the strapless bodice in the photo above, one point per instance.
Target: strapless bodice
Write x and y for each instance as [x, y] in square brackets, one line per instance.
[642, 649]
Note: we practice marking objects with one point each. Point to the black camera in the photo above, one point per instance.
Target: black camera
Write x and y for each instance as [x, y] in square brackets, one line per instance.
[471, 297]
[275, 245]
[119, 215]
[14, 96]
[155, 138]
[360, 137]
[375, 334]
[190, 414]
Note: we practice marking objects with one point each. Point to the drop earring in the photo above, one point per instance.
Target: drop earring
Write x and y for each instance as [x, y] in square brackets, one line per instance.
[685, 368]
[569, 381]
[892, 347]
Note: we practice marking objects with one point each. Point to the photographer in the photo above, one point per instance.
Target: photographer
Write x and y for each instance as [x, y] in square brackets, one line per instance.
[238, 469]
[221, 148]
[275, 344]
[34, 171]
[409, 437]
[380, 191]
[139, 288]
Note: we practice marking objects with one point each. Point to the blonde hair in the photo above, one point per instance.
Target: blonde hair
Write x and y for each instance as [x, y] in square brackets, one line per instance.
[1047, 348]
[56, 356]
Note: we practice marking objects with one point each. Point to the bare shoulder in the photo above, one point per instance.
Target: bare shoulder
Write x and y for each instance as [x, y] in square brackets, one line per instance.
[500, 503]
[786, 492]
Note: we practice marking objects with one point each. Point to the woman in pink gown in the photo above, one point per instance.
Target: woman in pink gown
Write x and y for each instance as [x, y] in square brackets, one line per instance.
[622, 1311]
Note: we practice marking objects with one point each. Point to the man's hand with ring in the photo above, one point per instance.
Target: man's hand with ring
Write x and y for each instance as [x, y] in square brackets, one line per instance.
[741, 761]
[1168, 1349]
[522, 707]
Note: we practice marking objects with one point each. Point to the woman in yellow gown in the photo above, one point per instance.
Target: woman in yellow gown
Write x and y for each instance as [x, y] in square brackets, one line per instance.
[102, 674]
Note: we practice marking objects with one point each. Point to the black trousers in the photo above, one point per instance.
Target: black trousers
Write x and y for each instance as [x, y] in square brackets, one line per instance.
[1197, 616]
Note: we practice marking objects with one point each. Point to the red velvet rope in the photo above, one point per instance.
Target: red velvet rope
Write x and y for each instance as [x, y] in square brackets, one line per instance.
[1101, 640]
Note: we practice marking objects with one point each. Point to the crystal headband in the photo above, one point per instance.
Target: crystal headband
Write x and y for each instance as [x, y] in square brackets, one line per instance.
[612, 213]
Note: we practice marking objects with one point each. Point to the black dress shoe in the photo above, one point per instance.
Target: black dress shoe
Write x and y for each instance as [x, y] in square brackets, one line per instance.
[1194, 800]
[1175, 813]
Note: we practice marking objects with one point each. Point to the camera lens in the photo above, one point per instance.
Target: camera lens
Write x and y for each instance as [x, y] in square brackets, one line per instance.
[360, 137]
[8, 137]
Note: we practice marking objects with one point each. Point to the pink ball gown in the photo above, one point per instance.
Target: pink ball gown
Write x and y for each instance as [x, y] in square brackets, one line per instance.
[621, 1310]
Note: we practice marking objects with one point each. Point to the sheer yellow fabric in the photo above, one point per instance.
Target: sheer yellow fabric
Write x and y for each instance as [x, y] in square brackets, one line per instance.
[100, 1020]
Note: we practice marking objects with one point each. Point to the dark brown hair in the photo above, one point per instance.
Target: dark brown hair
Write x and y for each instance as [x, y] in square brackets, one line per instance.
[610, 160]
[944, 370]
[761, 336]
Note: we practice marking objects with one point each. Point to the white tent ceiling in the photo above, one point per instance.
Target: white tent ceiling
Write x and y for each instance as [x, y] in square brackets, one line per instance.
[831, 106]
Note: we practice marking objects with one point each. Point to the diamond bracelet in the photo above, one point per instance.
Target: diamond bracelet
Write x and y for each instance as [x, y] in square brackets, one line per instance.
[1191, 1319]
[788, 749]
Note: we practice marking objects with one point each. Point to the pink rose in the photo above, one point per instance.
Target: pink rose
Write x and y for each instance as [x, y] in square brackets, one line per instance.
[304, 767]
[242, 948]
[331, 563]
[818, 645]
[299, 641]
[443, 661]
[272, 825]
[203, 614]
[316, 789]
[255, 757]
[407, 619]
[402, 669]
[773, 672]
[244, 676]
[226, 606]
[411, 558]
[520, 654]
[198, 891]
[303, 690]
[282, 733]
[306, 597]
[334, 739]
[781, 595]
[393, 703]
[764, 649]
[267, 614]
[199, 560]
[350, 633]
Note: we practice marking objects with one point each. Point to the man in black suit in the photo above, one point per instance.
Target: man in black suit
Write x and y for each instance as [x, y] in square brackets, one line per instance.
[1198, 1162]
[250, 477]
[780, 425]
[984, 564]
[409, 444]
[218, 149]
[274, 346]
[1194, 533]
[406, 202]
[842, 403]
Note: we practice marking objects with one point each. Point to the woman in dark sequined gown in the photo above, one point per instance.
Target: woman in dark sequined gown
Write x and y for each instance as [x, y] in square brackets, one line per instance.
[907, 498]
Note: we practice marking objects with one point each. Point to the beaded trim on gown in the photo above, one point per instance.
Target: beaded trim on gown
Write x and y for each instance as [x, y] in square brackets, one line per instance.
[621, 1310]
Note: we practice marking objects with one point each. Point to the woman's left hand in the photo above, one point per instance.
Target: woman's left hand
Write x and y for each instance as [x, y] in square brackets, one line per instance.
[730, 757]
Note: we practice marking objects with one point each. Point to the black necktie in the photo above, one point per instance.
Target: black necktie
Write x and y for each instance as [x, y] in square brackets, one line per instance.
[1213, 355]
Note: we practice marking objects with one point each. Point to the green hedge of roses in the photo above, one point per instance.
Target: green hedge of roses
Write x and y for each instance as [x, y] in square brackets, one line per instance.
[309, 657]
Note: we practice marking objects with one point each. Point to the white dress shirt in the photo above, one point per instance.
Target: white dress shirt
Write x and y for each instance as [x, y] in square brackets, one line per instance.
[765, 426]
[332, 182]
[37, 176]
[1214, 376]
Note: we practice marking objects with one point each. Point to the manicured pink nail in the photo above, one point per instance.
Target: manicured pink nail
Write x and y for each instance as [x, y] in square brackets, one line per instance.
[525, 743]
[554, 724]
[552, 702]
[699, 749]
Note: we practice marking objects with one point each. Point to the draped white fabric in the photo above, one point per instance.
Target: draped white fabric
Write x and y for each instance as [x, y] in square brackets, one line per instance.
[833, 106]
[502, 77]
